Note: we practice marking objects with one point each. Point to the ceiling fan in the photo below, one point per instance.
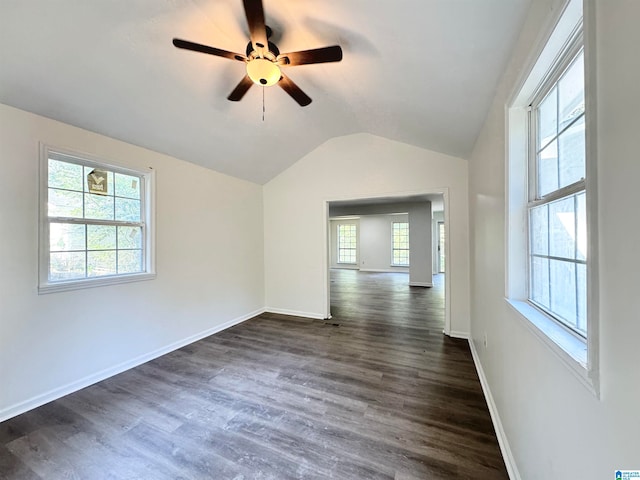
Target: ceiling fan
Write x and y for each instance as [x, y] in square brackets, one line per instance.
[263, 59]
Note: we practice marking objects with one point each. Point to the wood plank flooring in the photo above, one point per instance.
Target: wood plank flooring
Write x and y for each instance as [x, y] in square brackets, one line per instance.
[376, 392]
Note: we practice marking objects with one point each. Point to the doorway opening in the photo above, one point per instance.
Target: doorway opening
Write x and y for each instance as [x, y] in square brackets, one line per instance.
[361, 250]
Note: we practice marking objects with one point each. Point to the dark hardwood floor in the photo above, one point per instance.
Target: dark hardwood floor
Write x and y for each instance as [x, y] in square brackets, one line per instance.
[376, 392]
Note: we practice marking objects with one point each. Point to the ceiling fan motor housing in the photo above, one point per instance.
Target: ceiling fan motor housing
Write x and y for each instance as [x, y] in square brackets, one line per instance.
[272, 49]
[261, 66]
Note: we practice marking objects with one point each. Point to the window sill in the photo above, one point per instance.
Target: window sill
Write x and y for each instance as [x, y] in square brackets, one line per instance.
[93, 282]
[570, 349]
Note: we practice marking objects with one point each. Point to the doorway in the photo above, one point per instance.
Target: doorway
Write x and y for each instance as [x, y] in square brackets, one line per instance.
[435, 245]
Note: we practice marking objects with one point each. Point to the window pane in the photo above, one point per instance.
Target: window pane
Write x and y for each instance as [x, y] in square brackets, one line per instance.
[548, 169]
[127, 186]
[401, 257]
[63, 203]
[540, 281]
[99, 207]
[563, 290]
[65, 236]
[562, 228]
[129, 261]
[101, 237]
[127, 210]
[88, 170]
[66, 265]
[441, 256]
[101, 263]
[64, 175]
[129, 237]
[572, 154]
[548, 119]
[582, 298]
[571, 92]
[348, 256]
[581, 233]
[539, 228]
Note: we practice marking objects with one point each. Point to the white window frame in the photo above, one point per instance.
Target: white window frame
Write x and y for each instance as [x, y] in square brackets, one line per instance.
[393, 247]
[569, 55]
[147, 207]
[580, 355]
[354, 249]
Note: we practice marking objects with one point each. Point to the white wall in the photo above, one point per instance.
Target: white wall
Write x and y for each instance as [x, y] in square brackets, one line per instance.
[554, 426]
[370, 166]
[421, 271]
[375, 239]
[209, 268]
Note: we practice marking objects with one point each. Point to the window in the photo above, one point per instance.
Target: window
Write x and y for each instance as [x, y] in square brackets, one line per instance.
[400, 242]
[552, 280]
[557, 197]
[347, 242]
[441, 244]
[95, 223]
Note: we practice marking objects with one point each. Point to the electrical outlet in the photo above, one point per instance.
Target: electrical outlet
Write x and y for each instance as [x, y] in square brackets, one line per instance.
[485, 339]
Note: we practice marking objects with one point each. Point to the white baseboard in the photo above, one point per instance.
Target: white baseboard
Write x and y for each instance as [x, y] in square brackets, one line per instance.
[457, 334]
[295, 313]
[385, 270]
[59, 392]
[507, 455]
[421, 284]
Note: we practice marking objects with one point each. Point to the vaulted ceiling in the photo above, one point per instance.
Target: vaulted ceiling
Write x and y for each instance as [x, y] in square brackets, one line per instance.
[421, 72]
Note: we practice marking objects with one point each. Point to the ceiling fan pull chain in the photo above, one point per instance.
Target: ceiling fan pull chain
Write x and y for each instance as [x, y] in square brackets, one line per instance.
[263, 104]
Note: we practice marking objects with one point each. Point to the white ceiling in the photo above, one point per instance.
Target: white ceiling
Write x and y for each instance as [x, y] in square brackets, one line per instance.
[367, 204]
[421, 72]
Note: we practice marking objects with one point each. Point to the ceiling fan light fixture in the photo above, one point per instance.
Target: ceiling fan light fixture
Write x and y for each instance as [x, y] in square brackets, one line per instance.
[263, 72]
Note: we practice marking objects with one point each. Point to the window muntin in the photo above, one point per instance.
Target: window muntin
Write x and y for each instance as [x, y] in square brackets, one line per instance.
[347, 243]
[557, 206]
[89, 238]
[400, 244]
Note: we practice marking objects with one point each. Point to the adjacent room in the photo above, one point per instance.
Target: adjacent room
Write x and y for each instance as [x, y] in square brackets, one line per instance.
[288, 239]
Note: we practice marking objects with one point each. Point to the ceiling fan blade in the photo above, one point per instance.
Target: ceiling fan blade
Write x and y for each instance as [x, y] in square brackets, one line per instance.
[196, 47]
[316, 55]
[241, 89]
[294, 91]
[255, 19]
